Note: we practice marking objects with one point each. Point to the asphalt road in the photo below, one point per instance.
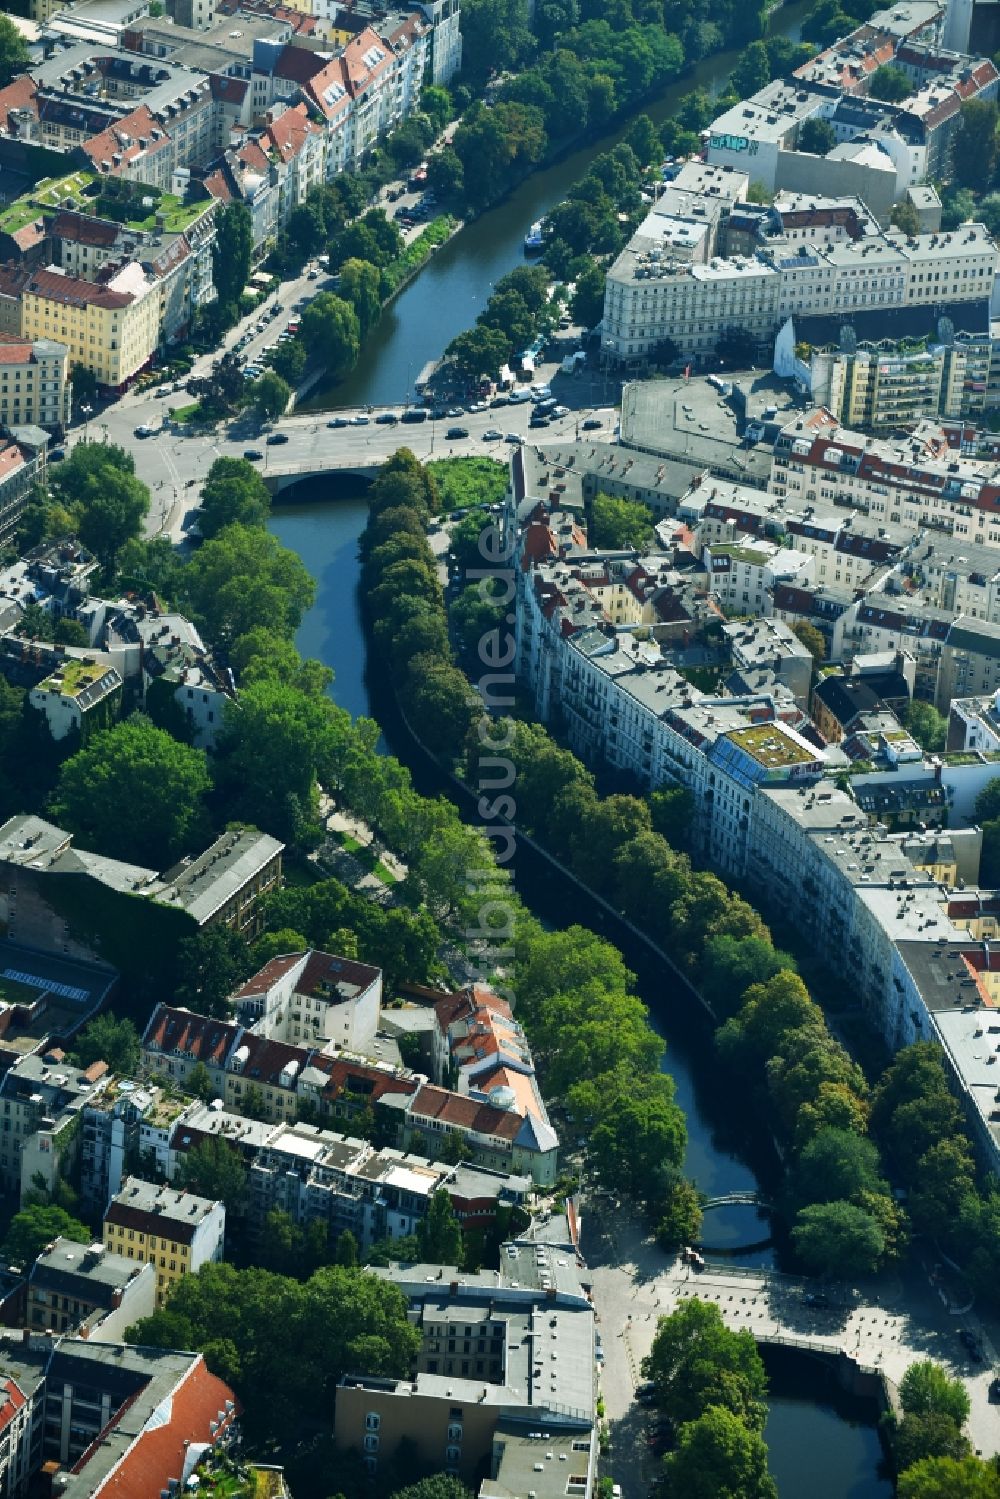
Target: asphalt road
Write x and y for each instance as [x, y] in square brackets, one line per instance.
[173, 465]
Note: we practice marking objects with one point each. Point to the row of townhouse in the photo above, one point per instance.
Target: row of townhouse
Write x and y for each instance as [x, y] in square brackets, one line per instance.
[766, 815]
[329, 1067]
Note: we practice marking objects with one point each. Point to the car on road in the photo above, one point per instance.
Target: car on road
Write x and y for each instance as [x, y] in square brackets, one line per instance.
[164, 390]
[513, 437]
[646, 1392]
[387, 418]
[144, 430]
[313, 276]
[276, 439]
[359, 421]
[492, 434]
[252, 455]
[455, 434]
[500, 400]
[339, 421]
[454, 411]
[477, 406]
[560, 411]
[616, 1491]
[592, 424]
[539, 421]
[414, 414]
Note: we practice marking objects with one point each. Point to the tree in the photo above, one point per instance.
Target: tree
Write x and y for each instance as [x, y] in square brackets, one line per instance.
[234, 492]
[109, 1039]
[835, 1164]
[890, 83]
[232, 253]
[288, 360]
[436, 1486]
[905, 217]
[926, 1388]
[731, 965]
[811, 638]
[361, 285]
[244, 579]
[34, 1227]
[718, 1457]
[439, 1233]
[931, 1435]
[347, 1249]
[438, 105]
[950, 1478]
[213, 1169]
[816, 137]
[837, 1238]
[211, 965]
[83, 381]
[696, 1363]
[269, 395]
[587, 305]
[753, 70]
[445, 174]
[975, 155]
[98, 482]
[988, 802]
[134, 793]
[479, 351]
[331, 333]
[14, 56]
[928, 727]
[620, 525]
[199, 1082]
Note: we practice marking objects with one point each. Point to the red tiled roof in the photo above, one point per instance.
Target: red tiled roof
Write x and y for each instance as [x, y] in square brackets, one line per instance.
[14, 349]
[217, 184]
[17, 95]
[193, 1035]
[299, 64]
[464, 1113]
[341, 1070]
[266, 1060]
[290, 131]
[136, 127]
[253, 156]
[74, 292]
[12, 1400]
[357, 73]
[84, 230]
[229, 90]
[159, 1451]
[11, 459]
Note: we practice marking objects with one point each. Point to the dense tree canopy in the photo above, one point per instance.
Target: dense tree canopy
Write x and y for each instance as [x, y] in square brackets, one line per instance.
[34, 1227]
[697, 1363]
[233, 493]
[135, 793]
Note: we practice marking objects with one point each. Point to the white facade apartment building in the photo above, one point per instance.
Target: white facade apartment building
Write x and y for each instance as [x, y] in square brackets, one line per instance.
[652, 295]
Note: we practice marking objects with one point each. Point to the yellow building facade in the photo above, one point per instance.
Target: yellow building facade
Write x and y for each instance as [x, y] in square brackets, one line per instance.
[111, 330]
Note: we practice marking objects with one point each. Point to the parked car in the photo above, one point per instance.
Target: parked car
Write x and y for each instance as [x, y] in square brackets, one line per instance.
[455, 434]
[592, 424]
[477, 406]
[252, 455]
[276, 439]
[454, 411]
[500, 400]
[387, 419]
[414, 414]
[437, 413]
[339, 421]
[359, 421]
[513, 437]
[560, 411]
[57, 455]
[492, 434]
[144, 430]
[164, 390]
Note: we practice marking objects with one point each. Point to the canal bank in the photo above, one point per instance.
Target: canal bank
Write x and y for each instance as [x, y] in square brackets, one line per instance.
[725, 1156]
[453, 287]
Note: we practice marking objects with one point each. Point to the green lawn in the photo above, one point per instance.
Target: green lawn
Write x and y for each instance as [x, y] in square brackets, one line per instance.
[463, 482]
[365, 857]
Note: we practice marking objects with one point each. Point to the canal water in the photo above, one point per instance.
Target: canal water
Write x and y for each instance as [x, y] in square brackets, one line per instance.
[807, 1417]
[453, 288]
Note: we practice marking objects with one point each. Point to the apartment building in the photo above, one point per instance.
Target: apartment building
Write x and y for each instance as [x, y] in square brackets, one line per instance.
[86, 1417]
[85, 1291]
[475, 1401]
[883, 389]
[652, 295]
[112, 329]
[42, 1099]
[110, 1138]
[80, 694]
[22, 465]
[313, 999]
[34, 384]
[175, 1232]
[176, 1041]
